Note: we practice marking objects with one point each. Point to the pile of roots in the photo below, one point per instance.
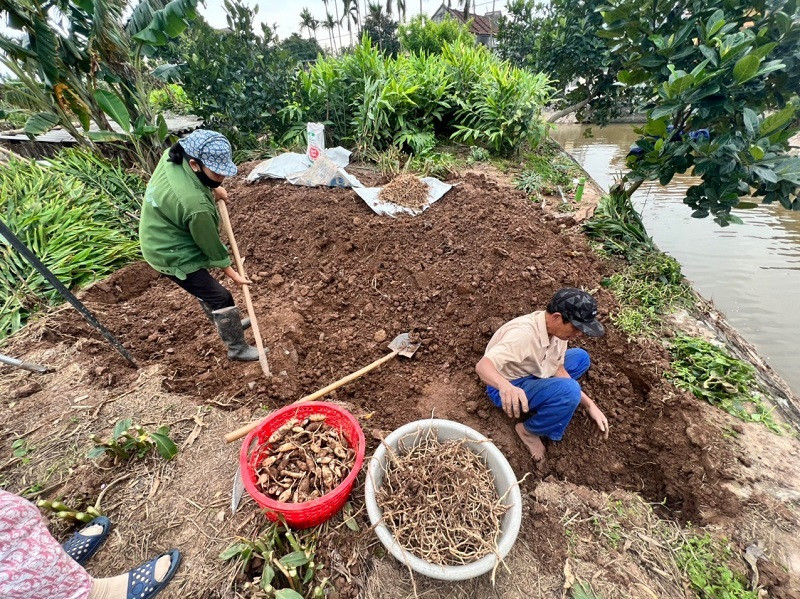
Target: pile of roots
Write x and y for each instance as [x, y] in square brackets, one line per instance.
[304, 460]
[440, 502]
[405, 190]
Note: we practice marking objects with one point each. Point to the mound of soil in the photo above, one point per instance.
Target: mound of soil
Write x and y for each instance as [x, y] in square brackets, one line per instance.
[333, 283]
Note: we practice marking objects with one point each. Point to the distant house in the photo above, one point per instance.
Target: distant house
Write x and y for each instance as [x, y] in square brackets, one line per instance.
[484, 28]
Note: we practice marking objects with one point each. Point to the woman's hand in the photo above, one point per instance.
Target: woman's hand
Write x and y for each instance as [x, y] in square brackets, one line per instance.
[220, 193]
[236, 277]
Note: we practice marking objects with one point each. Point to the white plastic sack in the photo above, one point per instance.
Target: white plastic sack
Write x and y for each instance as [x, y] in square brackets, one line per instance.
[315, 135]
[436, 189]
[296, 167]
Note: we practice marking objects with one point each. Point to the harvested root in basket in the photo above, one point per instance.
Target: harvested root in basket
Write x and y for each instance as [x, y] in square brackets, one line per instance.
[405, 190]
[440, 502]
[303, 460]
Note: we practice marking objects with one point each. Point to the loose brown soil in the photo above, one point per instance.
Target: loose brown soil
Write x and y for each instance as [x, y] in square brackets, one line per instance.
[333, 282]
[405, 190]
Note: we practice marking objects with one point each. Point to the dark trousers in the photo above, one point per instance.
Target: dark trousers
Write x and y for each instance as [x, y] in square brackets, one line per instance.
[205, 287]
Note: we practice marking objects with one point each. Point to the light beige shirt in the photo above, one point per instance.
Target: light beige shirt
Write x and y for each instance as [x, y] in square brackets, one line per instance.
[522, 347]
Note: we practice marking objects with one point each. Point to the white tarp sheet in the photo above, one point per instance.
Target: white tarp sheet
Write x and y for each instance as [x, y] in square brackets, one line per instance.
[328, 170]
[436, 189]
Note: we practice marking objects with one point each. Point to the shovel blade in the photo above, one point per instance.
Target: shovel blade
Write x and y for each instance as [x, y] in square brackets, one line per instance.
[403, 345]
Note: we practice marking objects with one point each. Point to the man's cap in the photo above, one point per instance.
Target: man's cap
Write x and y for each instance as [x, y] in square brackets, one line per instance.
[212, 149]
[579, 308]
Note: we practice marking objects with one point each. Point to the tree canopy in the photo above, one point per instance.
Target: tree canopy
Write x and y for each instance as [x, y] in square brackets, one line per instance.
[722, 81]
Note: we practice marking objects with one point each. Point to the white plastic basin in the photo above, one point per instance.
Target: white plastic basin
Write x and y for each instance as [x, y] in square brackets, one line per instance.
[505, 481]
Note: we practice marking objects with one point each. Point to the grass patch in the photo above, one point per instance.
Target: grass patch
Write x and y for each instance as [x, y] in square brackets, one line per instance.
[704, 561]
[546, 169]
[712, 374]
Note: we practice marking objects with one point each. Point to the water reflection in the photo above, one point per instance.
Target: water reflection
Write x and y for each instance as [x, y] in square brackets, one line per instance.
[748, 270]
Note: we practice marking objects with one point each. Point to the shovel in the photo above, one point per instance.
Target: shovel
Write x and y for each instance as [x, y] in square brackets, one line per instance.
[400, 345]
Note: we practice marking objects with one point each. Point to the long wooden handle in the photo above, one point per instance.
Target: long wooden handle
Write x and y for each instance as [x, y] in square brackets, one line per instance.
[242, 431]
[226, 222]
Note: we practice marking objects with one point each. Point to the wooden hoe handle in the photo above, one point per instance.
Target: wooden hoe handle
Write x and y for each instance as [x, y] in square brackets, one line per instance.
[226, 223]
[242, 431]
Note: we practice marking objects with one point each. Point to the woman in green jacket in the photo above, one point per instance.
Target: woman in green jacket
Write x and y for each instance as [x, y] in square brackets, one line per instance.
[179, 230]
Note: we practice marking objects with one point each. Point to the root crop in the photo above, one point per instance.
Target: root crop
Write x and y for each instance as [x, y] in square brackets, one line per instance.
[303, 461]
[440, 502]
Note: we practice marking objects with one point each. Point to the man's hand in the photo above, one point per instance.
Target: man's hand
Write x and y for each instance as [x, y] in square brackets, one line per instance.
[599, 419]
[514, 400]
[220, 193]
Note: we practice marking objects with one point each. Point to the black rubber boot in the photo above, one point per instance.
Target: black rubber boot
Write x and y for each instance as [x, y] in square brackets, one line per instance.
[210, 313]
[229, 325]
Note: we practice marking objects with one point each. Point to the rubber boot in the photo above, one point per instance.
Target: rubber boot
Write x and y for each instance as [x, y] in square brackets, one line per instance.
[209, 312]
[230, 329]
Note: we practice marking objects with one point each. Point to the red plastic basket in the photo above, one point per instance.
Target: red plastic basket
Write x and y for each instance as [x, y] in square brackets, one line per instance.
[309, 513]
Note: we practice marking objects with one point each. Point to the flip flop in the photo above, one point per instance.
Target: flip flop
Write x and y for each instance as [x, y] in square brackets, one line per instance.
[81, 547]
[142, 583]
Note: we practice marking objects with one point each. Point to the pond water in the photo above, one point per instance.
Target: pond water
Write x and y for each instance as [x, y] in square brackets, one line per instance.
[750, 271]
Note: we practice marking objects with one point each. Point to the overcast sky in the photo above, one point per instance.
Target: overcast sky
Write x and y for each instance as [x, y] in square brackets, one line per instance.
[286, 13]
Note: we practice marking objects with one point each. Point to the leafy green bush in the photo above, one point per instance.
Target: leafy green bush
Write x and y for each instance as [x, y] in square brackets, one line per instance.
[235, 78]
[421, 35]
[373, 101]
[172, 98]
[712, 374]
[76, 229]
[130, 440]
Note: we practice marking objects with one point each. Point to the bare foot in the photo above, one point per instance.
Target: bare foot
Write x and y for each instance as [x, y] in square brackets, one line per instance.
[531, 441]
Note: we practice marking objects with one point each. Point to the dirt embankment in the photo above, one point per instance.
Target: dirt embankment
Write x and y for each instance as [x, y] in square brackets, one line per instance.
[333, 283]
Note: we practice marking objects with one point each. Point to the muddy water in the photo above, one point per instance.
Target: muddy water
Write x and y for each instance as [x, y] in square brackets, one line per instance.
[750, 271]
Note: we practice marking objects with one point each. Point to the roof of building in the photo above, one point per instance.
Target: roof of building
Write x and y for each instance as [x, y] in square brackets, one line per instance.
[481, 25]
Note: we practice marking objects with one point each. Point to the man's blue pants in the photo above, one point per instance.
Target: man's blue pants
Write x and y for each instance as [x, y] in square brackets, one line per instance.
[552, 401]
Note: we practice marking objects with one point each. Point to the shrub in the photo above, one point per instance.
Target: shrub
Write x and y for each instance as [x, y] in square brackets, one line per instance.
[421, 35]
[170, 98]
[373, 101]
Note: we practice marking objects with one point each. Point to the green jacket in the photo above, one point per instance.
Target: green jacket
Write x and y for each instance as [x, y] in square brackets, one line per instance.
[179, 226]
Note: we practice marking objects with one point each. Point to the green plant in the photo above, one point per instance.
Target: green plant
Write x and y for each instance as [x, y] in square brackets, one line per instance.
[436, 164]
[712, 374]
[288, 561]
[705, 561]
[69, 514]
[382, 29]
[20, 448]
[74, 228]
[87, 66]
[728, 68]
[646, 289]
[423, 36]
[478, 154]
[172, 97]
[120, 187]
[546, 170]
[617, 227]
[130, 440]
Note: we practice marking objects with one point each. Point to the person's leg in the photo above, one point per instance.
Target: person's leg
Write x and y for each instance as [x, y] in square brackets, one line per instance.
[32, 562]
[205, 288]
[551, 402]
[576, 362]
[144, 581]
